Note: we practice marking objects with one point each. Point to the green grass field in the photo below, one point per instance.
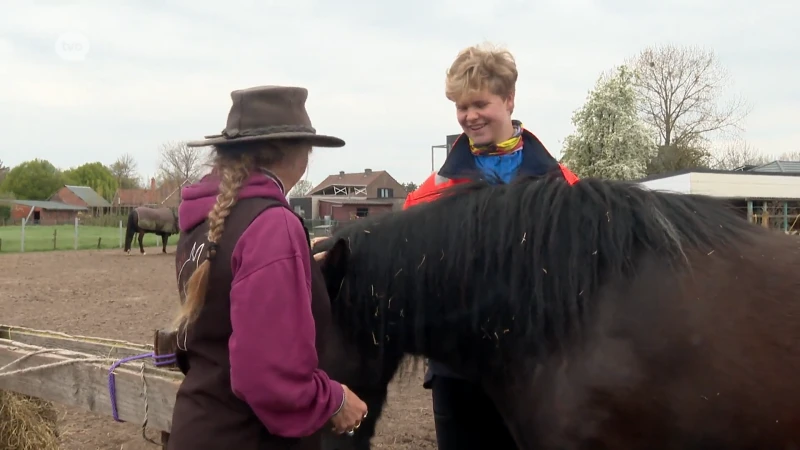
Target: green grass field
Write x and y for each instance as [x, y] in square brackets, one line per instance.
[62, 237]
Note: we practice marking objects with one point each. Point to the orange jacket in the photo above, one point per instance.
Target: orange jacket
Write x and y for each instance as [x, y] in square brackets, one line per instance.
[459, 167]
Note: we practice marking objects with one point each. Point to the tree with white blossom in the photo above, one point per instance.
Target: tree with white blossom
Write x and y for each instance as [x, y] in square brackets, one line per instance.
[610, 140]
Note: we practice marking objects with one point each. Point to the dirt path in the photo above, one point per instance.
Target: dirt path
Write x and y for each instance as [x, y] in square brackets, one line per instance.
[108, 294]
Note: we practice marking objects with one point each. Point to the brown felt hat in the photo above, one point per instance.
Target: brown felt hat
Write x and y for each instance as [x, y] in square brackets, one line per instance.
[267, 113]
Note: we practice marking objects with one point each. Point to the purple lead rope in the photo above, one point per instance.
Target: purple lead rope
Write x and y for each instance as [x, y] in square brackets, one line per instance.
[160, 360]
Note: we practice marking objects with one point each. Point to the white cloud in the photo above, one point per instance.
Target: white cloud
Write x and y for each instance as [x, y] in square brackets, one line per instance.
[162, 70]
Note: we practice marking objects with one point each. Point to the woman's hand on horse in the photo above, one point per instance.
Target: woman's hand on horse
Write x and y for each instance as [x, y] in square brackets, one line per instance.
[353, 411]
[319, 256]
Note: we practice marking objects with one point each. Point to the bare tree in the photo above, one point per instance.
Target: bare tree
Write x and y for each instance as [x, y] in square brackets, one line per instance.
[738, 154]
[301, 189]
[679, 91]
[179, 163]
[124, 170]
[790, 156]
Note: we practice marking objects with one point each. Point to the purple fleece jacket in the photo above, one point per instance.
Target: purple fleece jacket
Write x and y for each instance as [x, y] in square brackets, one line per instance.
[273, 356]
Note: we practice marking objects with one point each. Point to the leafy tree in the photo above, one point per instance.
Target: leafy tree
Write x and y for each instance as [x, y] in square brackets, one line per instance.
[5, 209]
[94, 175]
[37, 179]
[671, 158]
[3, 171]
[410, 186]
[610, 141]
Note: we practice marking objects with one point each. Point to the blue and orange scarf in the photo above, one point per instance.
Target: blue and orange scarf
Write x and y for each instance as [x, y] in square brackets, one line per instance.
[503, 148]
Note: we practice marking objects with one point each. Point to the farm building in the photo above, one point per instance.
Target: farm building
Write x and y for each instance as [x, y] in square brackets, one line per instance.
[768, 194]
[83, 196]
[44, 212]
[166, 194]
[347, 196]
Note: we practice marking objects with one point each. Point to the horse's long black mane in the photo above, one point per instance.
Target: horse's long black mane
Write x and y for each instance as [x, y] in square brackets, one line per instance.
[521, 260]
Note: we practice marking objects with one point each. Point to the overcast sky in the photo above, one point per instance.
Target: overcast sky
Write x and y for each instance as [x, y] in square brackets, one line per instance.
[127, 76]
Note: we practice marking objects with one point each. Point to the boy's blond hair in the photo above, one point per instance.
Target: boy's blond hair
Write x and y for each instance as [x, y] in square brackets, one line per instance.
[481, 67]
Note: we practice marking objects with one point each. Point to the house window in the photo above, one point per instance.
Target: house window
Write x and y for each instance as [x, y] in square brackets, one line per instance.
[362, 212]
[385, 193]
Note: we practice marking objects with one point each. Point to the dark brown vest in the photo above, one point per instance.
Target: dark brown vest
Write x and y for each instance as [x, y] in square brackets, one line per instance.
[207, 413]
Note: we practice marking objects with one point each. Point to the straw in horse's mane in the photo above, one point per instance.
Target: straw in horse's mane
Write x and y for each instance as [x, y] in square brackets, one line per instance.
[491, 264]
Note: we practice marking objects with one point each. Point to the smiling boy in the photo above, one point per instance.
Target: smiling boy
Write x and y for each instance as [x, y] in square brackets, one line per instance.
[493, 147]
[482, 84]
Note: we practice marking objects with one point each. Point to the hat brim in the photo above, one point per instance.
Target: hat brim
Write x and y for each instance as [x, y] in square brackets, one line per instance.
[316, 140]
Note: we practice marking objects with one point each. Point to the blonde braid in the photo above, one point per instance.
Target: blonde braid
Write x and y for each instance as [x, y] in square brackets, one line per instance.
[233, 174]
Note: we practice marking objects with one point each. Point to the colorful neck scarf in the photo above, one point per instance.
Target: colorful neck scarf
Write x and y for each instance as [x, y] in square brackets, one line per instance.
[503, 148]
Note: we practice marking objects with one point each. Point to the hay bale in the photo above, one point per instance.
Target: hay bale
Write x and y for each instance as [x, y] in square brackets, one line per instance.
[27, 423]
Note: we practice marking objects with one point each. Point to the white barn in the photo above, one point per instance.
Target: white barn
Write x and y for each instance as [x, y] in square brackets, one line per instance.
[769, 193]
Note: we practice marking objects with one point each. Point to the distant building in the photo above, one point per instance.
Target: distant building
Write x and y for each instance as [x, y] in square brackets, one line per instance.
[768, 194]
[84, 196]
[348, 196]
[40, 212]
[166, 194]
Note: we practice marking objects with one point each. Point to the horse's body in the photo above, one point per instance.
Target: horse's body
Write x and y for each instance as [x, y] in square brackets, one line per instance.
[160, 221]
[596, 316]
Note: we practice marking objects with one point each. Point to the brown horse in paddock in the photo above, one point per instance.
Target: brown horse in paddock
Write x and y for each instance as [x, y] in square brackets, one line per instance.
[597, 316]
[161, 221]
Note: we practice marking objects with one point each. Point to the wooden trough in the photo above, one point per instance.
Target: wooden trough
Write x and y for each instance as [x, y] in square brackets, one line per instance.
[129, 382]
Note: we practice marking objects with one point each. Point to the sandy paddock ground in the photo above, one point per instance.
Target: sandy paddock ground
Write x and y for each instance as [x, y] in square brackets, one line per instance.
[111, 295]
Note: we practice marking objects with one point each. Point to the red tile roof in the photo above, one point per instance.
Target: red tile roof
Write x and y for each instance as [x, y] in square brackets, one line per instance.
[139, 197]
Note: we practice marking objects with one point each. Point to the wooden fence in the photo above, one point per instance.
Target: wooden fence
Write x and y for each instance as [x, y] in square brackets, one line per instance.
[126, 381]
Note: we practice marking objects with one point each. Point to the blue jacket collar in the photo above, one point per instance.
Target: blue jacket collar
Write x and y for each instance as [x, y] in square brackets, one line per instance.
[460, 162]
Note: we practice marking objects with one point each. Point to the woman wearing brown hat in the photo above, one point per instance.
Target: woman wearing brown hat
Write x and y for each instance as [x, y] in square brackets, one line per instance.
[247, 334]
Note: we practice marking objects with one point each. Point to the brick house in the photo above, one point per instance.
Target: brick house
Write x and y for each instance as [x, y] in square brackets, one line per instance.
[347, 196]
[83, 196]
[44, 212]
[167, 194]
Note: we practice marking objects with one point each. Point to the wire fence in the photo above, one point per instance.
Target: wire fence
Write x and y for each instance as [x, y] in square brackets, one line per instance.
[108, 220]
[76, 236]
[93, 233]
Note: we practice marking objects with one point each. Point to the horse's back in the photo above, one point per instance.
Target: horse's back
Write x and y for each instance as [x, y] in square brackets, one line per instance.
[704, 358]
[159, 220]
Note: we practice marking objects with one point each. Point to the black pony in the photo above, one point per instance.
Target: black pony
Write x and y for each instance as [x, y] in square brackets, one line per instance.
[161, 221]
[600, 315]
